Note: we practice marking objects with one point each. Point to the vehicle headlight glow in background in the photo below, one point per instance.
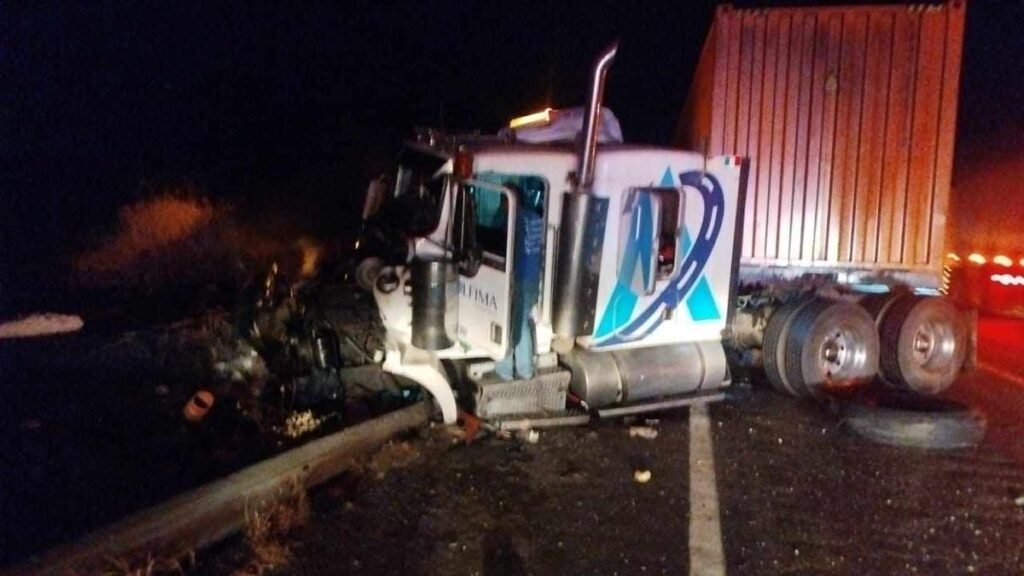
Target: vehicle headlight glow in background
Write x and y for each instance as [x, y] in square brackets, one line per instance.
[1008, 279]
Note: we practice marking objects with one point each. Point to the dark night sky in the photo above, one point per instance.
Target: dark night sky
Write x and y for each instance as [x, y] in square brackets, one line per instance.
[258, 102]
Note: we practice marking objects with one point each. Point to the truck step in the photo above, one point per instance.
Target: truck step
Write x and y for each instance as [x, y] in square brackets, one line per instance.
[541, 421]
[661, 404]
[542, 395]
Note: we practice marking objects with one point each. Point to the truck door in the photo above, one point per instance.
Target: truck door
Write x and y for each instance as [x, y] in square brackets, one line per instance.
[485, 290]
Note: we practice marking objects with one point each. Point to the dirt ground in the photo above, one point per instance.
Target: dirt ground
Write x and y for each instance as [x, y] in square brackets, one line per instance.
[799, 495]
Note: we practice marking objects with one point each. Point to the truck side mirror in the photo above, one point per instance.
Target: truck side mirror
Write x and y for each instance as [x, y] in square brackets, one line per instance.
[376, 192]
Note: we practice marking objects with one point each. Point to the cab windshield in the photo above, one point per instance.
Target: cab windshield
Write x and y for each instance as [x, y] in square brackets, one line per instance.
[415, 205]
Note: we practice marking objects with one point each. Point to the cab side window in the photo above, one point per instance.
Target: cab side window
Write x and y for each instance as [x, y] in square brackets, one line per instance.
[492, 224]
[491, 217]
[649, 246]
[670, 232]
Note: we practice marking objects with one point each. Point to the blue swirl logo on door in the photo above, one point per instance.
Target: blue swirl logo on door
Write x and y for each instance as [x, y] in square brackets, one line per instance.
[619, 323]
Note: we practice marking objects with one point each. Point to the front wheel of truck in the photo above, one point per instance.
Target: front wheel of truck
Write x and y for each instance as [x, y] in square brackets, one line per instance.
[367, 272]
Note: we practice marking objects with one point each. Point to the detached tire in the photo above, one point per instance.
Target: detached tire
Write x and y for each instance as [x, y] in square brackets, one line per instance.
[917, 422]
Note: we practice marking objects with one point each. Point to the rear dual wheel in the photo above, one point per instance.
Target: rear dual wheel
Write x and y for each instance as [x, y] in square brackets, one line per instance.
[924, 341]
[774, 347]
[817, 346]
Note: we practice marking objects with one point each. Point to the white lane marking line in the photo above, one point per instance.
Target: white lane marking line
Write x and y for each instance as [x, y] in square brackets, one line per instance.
[1005, 375]
[706, 556]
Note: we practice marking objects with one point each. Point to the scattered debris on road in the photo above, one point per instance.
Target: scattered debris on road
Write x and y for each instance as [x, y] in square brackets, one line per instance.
[645, 432]
[529, 436]
[198, 406]
[301, 423]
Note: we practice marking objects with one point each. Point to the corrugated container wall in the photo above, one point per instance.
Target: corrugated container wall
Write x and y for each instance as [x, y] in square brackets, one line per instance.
[848, 116]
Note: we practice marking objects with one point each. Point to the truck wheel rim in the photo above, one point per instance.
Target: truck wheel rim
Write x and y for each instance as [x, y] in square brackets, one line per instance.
[831, 345]
[934, 345]
[931, 345]
[836, 352]
[843, 354]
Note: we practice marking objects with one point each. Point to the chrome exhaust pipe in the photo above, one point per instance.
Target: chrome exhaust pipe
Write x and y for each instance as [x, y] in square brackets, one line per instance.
[581, 235]
[592, 118]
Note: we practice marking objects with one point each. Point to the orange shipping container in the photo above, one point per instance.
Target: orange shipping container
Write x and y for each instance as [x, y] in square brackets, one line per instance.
[848, 117]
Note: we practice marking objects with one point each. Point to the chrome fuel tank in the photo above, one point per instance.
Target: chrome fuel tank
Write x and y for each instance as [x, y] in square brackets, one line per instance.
[632, 375]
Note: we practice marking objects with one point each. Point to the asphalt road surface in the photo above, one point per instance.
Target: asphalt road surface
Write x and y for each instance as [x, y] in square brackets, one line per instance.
[761, 484]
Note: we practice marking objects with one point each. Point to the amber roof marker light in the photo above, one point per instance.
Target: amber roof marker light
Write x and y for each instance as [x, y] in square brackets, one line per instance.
[536, 119]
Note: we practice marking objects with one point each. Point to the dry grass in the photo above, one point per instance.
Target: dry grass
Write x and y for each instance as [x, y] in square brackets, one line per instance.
[146, 227]
[178, 237]
[268, 529]
[311, 253]
[392, 456]
[150, 566]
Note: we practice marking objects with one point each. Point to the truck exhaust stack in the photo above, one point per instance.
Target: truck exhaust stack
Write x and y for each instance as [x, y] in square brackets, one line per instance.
[592, 122]
[582, 224]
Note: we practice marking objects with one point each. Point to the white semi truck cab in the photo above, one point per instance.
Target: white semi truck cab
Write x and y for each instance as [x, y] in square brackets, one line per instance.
[655, 275]
[639, 277]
